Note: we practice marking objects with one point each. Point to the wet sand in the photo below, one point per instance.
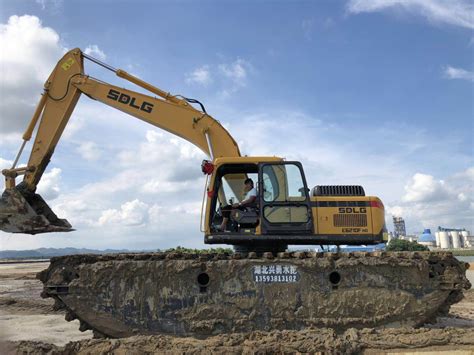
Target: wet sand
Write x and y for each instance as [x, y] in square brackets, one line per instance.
[24, 315]
[29, 325]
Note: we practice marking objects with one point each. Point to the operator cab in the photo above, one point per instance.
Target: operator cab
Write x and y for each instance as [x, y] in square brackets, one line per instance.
[282, 209]
[229, 184]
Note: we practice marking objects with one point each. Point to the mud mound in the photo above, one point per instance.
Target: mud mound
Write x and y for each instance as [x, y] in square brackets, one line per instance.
[307, 341]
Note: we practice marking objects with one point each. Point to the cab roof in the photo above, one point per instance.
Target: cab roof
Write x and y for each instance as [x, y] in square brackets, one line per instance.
[246, 160]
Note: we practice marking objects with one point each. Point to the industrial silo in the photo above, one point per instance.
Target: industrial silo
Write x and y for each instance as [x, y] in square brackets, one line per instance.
[437, 239]
[444, 241]
[465, 240]
[456, 242]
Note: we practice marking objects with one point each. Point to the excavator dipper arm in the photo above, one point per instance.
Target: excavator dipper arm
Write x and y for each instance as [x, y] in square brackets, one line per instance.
[24, 211]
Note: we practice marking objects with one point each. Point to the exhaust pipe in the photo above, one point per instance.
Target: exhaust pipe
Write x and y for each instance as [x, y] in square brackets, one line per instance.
[23, 211]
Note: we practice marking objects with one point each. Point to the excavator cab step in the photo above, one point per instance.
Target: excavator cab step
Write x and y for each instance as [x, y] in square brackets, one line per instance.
[22, 211]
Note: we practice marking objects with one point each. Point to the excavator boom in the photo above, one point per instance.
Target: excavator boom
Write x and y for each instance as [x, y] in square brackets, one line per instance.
[24, 211]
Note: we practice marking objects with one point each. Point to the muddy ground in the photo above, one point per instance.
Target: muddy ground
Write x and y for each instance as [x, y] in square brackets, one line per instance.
[24, 315]
[29, 325]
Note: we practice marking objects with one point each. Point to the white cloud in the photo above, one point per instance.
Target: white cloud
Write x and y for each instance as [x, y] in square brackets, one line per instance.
[82, 212]
[42, 3]
[236, 71]
[161, 149]
[452, 12]
[52, 5]
[21, 39]
[228, 77]
[201, 76]
[462, 197]
[166, 215]
[154, 187]
[467, 174]
[458, 73]
[48, 187]
[429, 202]
[153, 136]
[395, 211]
[236, 76]
[424, 188]
[89, 151]
[94, 51]
[5, 164]
[131, 213]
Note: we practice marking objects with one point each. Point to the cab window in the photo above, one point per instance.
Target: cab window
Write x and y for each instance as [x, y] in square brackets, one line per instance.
[283, 183]
[232, 187]
[283, 190]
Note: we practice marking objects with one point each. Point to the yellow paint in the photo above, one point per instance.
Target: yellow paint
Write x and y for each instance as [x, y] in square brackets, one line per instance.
[67, 64]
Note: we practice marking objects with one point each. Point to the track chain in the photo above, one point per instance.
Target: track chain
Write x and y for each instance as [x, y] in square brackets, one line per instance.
[437, 260]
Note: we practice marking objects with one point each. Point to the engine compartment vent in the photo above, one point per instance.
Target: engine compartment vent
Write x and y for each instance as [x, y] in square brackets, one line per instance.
[338, 190]
[350, 220]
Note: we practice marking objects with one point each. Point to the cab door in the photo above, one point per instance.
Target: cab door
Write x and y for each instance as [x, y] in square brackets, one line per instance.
[284, 199]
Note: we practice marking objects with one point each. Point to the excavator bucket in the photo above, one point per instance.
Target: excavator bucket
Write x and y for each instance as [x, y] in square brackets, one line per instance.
[27, 212]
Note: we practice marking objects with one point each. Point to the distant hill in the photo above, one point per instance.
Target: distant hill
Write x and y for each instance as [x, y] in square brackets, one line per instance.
[46, 253]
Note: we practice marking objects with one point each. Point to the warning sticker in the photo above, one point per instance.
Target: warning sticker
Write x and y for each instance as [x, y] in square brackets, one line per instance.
[275, 273]
[67, 64]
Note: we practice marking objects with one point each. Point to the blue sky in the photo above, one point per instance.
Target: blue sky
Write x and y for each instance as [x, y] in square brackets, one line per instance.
[373, 92]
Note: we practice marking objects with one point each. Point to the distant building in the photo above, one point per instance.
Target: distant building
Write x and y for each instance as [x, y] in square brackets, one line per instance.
[443, 229]
[455, 238]
[427, 239]
[399, 227]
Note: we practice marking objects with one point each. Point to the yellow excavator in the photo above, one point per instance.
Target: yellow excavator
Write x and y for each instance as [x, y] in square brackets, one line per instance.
[285, 212]
[262, 285]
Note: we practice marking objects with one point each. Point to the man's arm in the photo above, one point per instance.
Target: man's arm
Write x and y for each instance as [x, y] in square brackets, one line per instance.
[248, 201]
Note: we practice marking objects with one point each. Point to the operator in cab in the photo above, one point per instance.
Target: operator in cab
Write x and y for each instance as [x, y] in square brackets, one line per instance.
[249, 199]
